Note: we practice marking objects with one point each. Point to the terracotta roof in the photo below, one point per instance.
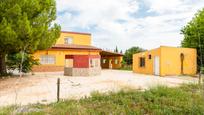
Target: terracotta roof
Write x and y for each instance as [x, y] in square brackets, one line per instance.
[73, 46]
[82, 33]
[110, 53]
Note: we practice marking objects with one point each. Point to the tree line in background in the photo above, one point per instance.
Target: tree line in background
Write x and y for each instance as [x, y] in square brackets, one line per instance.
[25, 26]
[128, 55]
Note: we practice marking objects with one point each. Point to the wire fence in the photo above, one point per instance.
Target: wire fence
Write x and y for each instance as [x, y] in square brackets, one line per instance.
[23, 91]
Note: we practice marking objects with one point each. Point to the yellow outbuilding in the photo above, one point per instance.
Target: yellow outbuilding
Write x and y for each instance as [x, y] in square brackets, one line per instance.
[166, 61]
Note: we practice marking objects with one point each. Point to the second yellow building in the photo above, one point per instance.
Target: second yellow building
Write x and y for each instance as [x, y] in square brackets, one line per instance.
[165, 61]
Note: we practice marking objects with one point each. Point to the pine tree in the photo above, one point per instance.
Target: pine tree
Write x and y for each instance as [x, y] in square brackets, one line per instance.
[116, 49]
[26, 26]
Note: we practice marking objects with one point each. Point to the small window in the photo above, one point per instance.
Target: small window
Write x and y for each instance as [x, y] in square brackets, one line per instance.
[68, 40]
[94, 62]
[150, 56]
[47, 59]
[142, 62]
[116, 61]
[69, 63]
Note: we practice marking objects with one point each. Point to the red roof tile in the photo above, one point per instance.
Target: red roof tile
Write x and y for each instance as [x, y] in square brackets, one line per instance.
[110, 53]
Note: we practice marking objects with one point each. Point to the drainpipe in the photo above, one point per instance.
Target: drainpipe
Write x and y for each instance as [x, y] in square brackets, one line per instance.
[182, 59]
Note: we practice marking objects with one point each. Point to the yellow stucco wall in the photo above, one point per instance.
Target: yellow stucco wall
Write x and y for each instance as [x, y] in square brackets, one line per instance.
[170, 62]
[60, 55]
[79, 39]
[148, 69]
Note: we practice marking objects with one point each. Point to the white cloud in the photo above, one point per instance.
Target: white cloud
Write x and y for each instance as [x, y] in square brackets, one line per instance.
[111, 24]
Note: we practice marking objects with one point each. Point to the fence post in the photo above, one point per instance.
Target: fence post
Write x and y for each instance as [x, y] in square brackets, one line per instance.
[58, 89]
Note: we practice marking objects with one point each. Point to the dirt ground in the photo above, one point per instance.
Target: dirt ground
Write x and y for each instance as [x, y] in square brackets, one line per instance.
[42, 87]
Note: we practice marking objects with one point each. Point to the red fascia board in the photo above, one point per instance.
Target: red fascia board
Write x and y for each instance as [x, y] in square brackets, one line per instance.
[69, 57]
[75, 48]
[76, 33]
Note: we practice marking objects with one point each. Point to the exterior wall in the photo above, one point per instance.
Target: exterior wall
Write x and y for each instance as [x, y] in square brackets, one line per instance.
[78, 39]
[148, 69]
[170, 61]
[60, 54]
[47, 68]
[82, 71]
[82, 61]
[109, 62]
[59, 57]
[82, 67]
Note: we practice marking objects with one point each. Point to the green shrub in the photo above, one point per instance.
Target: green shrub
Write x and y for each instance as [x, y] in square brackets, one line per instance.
[14, 60]
[202, 70]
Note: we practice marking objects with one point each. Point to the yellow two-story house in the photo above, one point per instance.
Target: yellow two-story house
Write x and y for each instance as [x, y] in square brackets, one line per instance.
[74, 54]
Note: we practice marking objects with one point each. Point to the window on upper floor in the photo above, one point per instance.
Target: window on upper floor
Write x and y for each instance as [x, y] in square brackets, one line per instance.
[68, 40]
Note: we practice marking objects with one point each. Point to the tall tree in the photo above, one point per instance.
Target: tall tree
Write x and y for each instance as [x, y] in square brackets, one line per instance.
[26, 26]
[129, 53]
[194, 35]
[116, 49]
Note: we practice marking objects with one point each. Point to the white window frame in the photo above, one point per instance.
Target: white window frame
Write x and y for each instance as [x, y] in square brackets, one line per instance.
[91, 63]
[95, 62]
[69, 63]
[47, 59]
[68, 40]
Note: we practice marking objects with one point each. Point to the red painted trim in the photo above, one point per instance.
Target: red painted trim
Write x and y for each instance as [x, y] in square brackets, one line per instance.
[58, 48]
[69, 57]
[63, 49]
[81, 61]
[76, 33]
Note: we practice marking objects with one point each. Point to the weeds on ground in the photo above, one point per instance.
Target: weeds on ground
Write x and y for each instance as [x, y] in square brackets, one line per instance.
[186, 99]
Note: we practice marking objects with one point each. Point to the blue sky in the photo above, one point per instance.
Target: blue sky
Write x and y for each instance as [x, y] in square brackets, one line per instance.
[126, 23]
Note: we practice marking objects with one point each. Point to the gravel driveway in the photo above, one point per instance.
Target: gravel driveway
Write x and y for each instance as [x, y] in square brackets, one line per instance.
[41, 88]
